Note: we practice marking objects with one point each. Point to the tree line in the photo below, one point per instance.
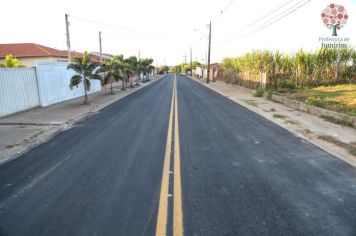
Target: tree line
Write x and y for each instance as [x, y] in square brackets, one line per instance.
[111, 70]
[184, 67]
[303, 69]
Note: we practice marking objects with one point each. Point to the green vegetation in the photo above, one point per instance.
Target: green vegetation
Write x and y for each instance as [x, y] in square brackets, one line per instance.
[251, 102]
[273, 110]
[340, 98]
[337, 121]
[291, 122]
[85, 70]
[11, 62]
[279, 116]
[184, 67]
[351, 148]
[290, 72]
[113, 71]
[259, 93]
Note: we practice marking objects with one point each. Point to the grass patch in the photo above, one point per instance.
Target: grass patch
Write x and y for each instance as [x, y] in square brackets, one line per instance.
[279, 116]
[252, 103]
[351, 148]
[273, 110]
[337, 121]
[292, 122]
[259, 93]
[339, 98]
[307, 131]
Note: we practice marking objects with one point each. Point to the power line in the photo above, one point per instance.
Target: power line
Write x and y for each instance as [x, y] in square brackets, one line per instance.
[118, 27]
[132, 37]
[270, 23]
[263, 17]
[224, 9]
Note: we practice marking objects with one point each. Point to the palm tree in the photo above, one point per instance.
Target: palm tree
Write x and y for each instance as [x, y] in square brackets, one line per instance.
[126, 71]
[86, 70]
[114, 71]
[131, 67]
[146, 66]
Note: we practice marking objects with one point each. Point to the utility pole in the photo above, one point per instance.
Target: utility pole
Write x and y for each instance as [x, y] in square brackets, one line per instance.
[101, 51]
[208, 76]
[138, 63]
[68, 38]
[191, 62]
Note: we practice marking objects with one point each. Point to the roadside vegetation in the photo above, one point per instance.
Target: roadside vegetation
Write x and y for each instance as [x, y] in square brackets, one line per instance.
[185, 67]
[110, 71]
[86, 70]
[350, 147]
[339, 98]
[325, 78]
[11, 62]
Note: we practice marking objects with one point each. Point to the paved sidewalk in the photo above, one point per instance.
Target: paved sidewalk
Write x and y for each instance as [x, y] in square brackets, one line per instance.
[21, 131]
[302, 124]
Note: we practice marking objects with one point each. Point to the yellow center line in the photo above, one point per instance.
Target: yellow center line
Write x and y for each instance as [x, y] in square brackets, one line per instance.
[177, 206]
[161, 226]
[163, 199]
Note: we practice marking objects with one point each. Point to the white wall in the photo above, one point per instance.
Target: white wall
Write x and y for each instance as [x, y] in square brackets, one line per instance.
[53, 83]
[25, 88]
[18, 90]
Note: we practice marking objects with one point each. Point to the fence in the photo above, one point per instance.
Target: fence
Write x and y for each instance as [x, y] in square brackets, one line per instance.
[53, 82]
[25, 88]
[18, 90]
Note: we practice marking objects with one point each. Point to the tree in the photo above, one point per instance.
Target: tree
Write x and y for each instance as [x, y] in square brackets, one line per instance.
[127, 72]
[146, 66]
[334, 17]
[114, 70]
[86, 70]
[132, 67]
[11, 62]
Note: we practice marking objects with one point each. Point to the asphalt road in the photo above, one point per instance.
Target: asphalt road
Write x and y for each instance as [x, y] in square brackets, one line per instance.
[240, 174]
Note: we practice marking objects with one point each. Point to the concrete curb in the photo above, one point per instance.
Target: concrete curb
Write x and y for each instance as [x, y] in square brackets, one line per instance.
[313, 110]
[335, 151]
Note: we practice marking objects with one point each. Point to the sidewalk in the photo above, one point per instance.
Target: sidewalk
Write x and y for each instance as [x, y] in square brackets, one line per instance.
[21, 131]
[340, 139]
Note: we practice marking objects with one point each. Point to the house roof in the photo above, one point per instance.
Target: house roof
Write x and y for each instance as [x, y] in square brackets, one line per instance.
[105, 55]
[19, 50]
[29, 50]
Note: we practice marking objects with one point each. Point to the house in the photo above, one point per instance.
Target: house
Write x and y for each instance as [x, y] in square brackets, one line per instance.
[104, 55]
[29, 53]
[216, 72]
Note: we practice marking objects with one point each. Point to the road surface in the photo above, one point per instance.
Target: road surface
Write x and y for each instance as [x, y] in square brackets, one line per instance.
[177, 158]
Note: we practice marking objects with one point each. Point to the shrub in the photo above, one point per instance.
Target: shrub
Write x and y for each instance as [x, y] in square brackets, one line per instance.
[259, 93]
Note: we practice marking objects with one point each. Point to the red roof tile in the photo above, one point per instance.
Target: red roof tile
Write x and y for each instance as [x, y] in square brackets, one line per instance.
[28, 50]
[32, 50]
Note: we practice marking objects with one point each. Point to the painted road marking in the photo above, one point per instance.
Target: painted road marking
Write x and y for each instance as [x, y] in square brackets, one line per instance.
[163, 200]
[177, 206]
[161, 227]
